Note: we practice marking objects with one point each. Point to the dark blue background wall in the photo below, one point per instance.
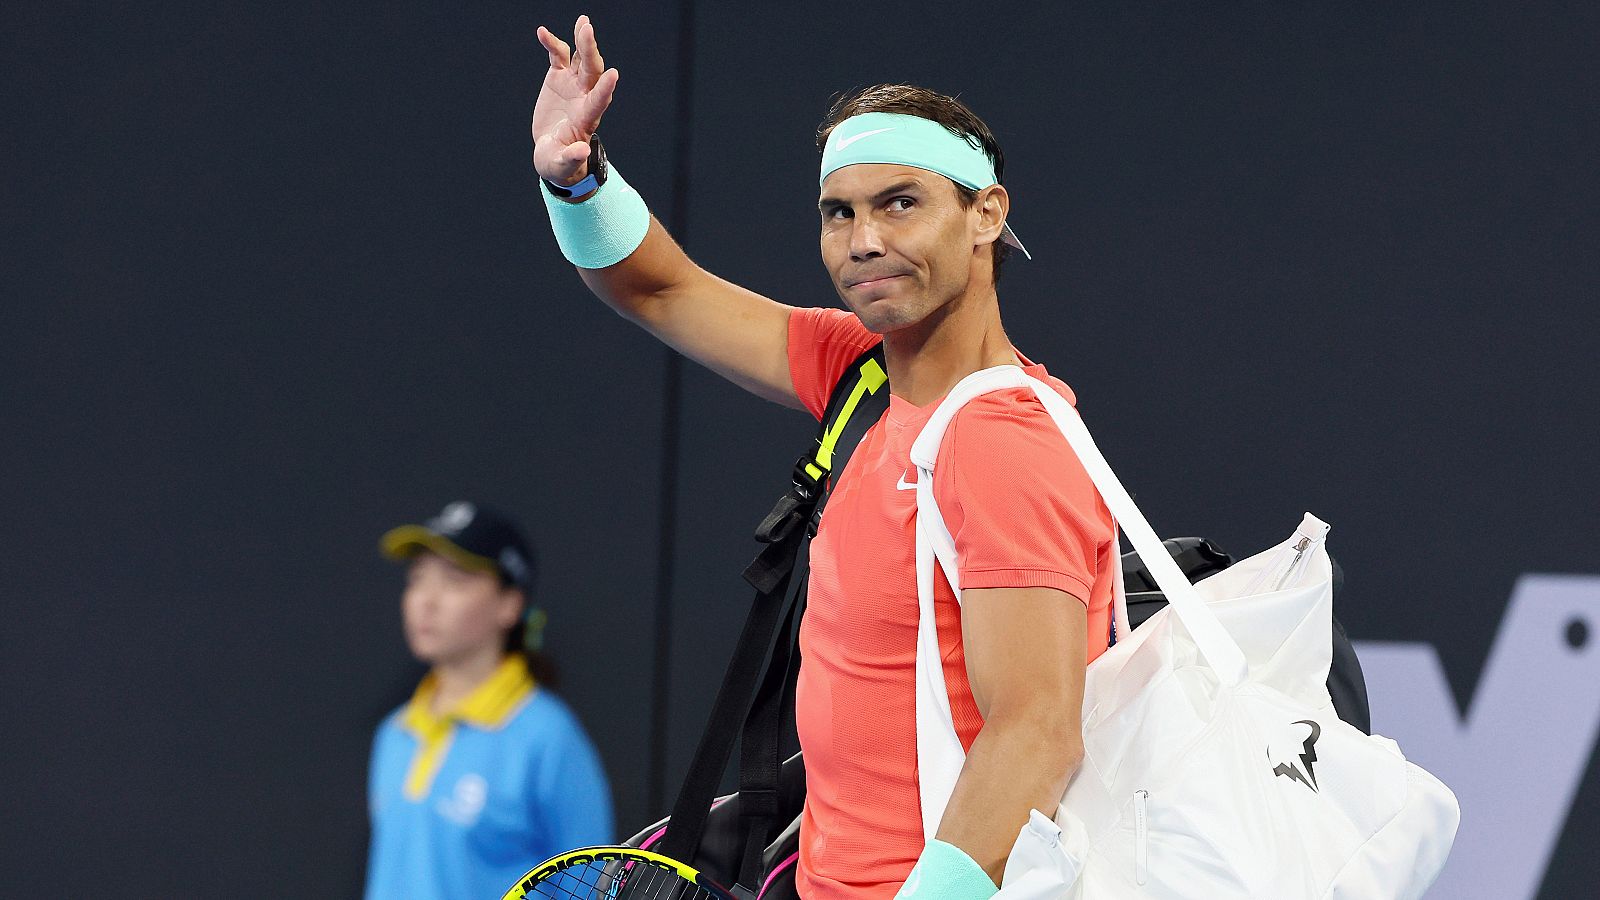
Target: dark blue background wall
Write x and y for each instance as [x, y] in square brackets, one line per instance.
[277, 276]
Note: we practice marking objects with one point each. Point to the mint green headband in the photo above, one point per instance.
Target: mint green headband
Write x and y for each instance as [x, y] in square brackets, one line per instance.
[903, 140]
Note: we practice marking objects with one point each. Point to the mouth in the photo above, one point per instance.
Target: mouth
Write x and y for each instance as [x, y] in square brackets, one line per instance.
[873, 282]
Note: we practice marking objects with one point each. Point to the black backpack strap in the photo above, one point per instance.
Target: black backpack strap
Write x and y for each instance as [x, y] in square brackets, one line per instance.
[760, 744]
[857, 402]
[778, 575]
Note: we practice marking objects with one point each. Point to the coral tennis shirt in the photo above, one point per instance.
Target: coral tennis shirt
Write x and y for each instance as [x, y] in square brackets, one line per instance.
[1023, 513]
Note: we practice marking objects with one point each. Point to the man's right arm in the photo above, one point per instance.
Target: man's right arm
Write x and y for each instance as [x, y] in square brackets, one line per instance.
[736, 333]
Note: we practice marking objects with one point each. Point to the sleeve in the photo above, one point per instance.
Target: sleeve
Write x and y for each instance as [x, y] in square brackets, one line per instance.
[571, 794]
[373, 880]
[1018, 502]
[822, 343]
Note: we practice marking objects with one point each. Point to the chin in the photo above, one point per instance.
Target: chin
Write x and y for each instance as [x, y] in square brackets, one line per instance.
[424, 651]
[883, 318]
[885, 314]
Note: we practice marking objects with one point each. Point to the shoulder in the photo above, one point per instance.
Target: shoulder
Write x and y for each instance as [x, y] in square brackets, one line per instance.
[390, 726]
[392, 745]
[822, 345]
[823, 325]
[554, 749]
[546, 720]
[991, 422]
[1003, 448]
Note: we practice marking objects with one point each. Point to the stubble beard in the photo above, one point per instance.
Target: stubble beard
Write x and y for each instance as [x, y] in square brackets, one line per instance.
[891, 314]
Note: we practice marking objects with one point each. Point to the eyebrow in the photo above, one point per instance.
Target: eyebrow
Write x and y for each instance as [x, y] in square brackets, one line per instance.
[899, 187]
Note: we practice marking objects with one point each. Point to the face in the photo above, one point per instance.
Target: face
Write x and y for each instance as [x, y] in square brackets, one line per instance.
[453, 613]
[899, 245]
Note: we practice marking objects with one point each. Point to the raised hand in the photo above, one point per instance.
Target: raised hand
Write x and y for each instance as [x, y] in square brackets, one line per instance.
[576, 92]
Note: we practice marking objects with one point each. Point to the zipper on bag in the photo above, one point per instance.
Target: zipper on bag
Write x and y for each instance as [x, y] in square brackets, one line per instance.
[1294, 564]
[1141, 837]
[1259, 583]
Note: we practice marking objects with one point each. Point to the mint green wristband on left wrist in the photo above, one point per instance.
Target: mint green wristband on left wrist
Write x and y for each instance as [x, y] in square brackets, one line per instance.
[946, 872]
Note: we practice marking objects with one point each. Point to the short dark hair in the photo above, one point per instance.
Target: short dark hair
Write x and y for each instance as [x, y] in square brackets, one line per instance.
[908, 99]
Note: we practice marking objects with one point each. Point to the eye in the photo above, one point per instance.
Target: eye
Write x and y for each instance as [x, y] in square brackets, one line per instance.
[901, 204]
[836, 213]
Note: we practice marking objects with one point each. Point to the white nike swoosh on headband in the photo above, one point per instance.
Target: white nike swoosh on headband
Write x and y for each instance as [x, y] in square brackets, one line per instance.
[845, 142]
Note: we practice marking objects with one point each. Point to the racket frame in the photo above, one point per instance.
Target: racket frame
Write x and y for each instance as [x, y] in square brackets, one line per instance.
[627, 856]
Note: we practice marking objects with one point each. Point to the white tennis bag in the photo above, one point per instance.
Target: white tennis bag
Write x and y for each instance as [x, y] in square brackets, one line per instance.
[1214, 765]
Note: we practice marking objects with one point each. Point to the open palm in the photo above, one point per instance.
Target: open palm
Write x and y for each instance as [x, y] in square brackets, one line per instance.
[576, 92]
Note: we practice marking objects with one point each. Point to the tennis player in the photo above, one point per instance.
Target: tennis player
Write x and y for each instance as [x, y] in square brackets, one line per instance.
[485, 771]
[913, 233]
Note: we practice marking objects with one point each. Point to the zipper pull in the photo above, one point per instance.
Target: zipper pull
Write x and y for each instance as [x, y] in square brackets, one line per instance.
[1300, 551]
[1141, 837]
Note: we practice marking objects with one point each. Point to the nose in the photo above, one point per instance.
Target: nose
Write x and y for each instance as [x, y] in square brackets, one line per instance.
[419, 599]
[865, 241]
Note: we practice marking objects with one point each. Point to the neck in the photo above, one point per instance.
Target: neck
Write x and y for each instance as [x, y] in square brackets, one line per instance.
[964, 336]
[458, 678]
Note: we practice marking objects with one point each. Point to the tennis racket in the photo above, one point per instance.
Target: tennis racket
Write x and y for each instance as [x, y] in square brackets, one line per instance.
[614, 873]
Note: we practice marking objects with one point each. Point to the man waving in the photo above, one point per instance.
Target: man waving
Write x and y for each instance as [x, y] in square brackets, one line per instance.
[913, 233]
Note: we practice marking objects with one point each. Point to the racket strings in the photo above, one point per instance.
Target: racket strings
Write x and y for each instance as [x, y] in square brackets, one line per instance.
[611, 881]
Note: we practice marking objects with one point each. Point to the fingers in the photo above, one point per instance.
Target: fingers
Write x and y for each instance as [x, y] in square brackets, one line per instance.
[598, 99]
[572, 154]
[560, 54]
[558, 159]
[583, 55]
[563, 155]
[590, 63]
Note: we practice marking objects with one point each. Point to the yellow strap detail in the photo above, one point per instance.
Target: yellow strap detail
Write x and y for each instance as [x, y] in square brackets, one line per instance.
[872, 379]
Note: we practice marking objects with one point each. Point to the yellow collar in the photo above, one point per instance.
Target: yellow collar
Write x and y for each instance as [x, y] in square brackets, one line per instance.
[489, 706]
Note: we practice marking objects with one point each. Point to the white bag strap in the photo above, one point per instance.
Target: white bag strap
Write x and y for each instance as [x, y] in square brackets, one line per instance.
[1220, 651]
[940, 755]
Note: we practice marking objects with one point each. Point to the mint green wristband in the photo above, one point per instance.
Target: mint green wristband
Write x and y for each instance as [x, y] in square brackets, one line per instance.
[603, 229]
[945, 872]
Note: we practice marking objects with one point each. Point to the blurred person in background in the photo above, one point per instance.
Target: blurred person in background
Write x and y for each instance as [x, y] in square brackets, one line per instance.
[485, 771]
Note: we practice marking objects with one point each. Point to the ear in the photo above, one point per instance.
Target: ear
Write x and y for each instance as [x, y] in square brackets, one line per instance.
[991, 206]
[512, 603]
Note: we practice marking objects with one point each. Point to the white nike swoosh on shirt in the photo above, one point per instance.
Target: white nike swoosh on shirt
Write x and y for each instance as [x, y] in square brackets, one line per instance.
[845, 142]
[902, 485]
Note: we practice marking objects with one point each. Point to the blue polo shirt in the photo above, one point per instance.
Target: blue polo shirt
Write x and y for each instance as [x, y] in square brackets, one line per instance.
[464, 804]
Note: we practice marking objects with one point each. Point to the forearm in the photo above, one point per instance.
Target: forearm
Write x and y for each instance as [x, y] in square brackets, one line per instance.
[642, 274]
[638, 286]
[1018, 763]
